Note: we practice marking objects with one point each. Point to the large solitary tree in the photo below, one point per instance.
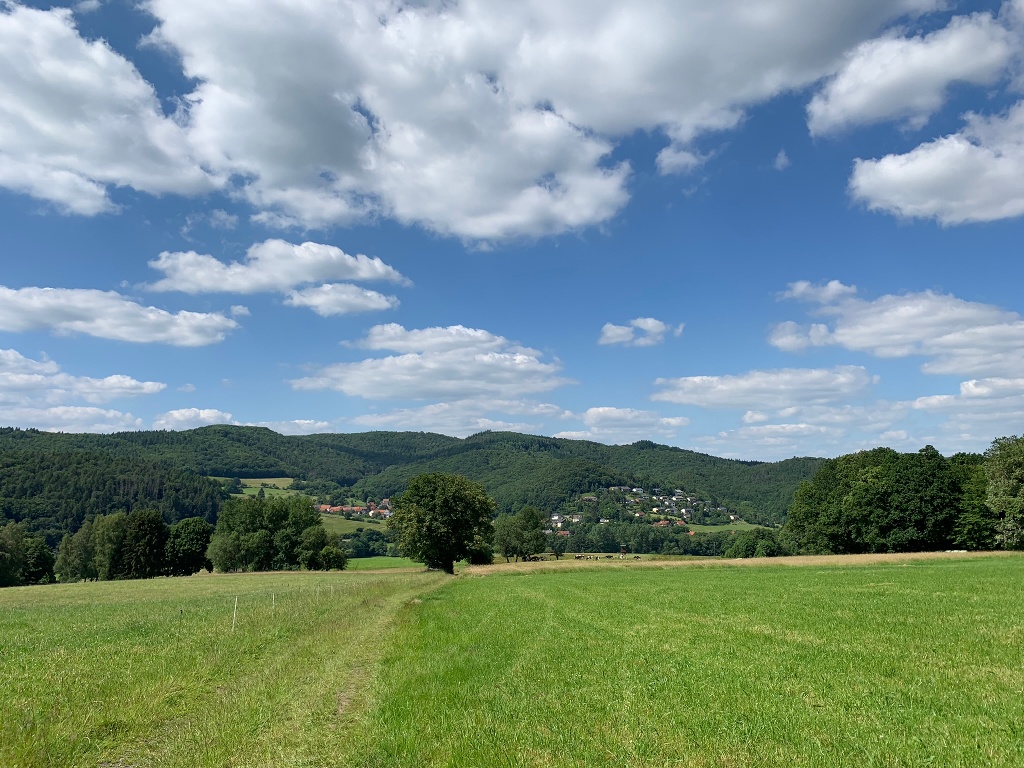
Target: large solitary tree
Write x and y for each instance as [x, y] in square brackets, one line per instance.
[440, 519]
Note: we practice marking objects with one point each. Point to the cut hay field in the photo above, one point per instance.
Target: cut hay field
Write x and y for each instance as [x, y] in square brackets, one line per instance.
[832, 662]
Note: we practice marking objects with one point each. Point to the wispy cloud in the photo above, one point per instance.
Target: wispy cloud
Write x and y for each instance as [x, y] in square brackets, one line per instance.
[640, 332]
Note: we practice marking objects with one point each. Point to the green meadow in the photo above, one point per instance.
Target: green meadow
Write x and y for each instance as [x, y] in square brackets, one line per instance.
[739, 525]
[380, 563]
[336, 524]
[836, 662]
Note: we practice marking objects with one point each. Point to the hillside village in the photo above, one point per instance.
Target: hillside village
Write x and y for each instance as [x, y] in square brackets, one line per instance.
[617, 504]
[624, 504]
[375, 510]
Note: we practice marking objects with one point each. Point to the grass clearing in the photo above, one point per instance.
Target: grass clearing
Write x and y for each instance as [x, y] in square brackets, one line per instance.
[284, 483]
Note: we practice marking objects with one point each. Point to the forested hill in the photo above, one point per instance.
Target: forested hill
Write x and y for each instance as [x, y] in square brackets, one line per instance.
[522, 469]
[516, 469]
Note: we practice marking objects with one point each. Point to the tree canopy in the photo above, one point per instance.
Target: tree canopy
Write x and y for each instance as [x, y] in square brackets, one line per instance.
[520, 535]
[884, 501]
[274, 533]
[1004, 467]
[441, 518]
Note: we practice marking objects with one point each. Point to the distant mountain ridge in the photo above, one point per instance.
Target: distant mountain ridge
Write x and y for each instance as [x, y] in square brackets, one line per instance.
[516, 469]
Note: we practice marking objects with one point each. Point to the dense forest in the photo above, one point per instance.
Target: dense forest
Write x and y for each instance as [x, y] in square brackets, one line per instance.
[252, 534]
[55, 491]
[54, 481]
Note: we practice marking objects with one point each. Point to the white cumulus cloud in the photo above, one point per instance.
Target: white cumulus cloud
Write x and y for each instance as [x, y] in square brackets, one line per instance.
[189, 418]
[77, 119]
[447, 363]
[758, 390]
[28, 382]
[107, 315]
[270, 266]
[461, 418]
[479, 120]
[894, 77]
[974, 175]
[72, 418]
[618, 426]
[340, 299]
[956, 336]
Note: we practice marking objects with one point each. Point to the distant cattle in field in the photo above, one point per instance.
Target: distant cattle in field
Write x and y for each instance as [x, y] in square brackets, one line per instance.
[636, 557]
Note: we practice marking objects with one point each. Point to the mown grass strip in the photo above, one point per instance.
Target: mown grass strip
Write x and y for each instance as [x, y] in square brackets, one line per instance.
[919, 663]
[150, 673]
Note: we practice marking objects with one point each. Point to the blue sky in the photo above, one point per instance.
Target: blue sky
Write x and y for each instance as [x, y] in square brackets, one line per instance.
[767, 229]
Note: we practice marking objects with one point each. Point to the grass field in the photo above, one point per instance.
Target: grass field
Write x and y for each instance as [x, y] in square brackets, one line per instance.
[336, 524]
[737, 526]
[920, 663]
[381, 563]
[831, 661]
[132, 674]
[251, 485]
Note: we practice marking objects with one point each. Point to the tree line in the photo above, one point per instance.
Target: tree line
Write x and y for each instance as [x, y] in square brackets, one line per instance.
[252, 534]
[884, 501]
[106, 547]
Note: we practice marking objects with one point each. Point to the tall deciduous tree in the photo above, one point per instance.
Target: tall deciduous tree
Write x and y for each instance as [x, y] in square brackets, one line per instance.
[882, 501]
[441, 518]
[12, 554]
[145, 545]
[38, 565]
[76, 555]
[520, 535]
[108, 544]
[186, 546]
[1004, 465]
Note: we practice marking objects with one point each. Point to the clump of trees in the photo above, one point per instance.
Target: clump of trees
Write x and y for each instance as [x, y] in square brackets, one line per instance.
[520, 535]
[367, 542]
[139, 545]
[24, 559]
[441, 519]
[884, 501]
[756, 542]
[273, 534]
